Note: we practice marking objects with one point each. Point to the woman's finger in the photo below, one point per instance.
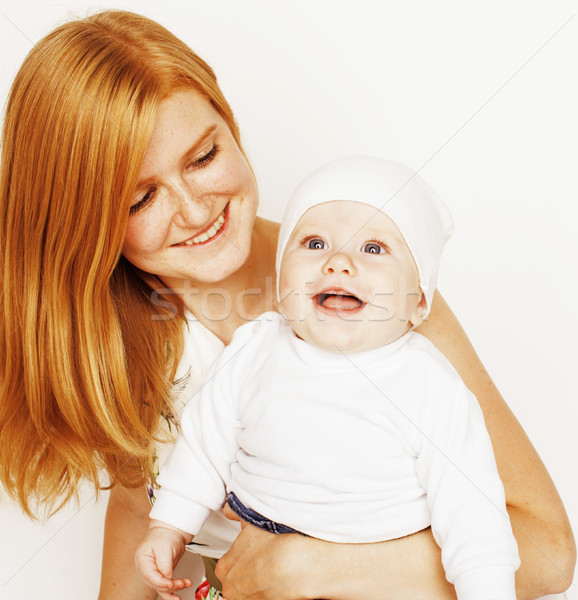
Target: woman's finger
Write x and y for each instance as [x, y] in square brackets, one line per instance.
[230, 514]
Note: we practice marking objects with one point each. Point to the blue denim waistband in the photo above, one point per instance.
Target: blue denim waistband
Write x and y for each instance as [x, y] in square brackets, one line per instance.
[254, 518]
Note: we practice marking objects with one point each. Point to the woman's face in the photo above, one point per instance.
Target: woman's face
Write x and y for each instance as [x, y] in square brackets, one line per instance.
[195, 203]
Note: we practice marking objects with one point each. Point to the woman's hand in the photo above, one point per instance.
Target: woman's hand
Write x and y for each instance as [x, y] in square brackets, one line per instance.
[264, 566]
[259, 565]
[157, 556]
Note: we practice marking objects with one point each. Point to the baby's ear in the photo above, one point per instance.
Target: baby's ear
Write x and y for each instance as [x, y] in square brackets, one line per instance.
[417, 316]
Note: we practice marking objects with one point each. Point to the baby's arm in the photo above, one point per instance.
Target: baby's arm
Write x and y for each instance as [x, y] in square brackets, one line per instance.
[157, 556]
[194, 477]
[457, 468]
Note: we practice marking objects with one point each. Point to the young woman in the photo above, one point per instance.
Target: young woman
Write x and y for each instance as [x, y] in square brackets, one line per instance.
[127, 202]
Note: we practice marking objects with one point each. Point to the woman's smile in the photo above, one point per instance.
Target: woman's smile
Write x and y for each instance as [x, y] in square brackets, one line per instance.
[209, 233]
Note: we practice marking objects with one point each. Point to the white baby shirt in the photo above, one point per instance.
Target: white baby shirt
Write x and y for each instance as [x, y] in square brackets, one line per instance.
[344, 448]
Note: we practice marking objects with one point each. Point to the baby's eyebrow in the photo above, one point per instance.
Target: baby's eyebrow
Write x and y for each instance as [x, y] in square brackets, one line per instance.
[389, 234]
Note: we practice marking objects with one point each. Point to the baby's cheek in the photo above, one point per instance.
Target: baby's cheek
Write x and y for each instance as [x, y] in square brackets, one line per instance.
[286, 296]
[292, 304]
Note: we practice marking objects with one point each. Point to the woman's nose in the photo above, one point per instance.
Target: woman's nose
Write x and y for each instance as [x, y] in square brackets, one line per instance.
[191, 208]
[339, 262]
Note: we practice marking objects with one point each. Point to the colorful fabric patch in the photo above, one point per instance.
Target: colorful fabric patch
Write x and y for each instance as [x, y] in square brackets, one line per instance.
[206, 591]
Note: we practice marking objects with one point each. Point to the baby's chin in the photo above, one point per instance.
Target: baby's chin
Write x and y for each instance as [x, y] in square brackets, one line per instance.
[344, 343]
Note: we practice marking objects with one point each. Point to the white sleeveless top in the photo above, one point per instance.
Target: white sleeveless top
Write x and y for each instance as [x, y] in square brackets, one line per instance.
[201, 348]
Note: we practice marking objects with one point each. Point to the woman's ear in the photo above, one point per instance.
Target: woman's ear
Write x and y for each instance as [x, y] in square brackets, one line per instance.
[419, 312]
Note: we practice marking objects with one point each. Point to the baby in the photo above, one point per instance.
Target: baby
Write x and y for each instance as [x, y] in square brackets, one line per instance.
[334, 419]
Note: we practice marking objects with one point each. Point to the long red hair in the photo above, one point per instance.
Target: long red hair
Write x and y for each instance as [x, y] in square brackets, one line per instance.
[85, 369]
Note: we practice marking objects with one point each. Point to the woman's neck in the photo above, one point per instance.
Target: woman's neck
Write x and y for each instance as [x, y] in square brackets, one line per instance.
[225, 305]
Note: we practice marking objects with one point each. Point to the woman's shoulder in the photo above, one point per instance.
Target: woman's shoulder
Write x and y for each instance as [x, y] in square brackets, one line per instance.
[269, 230]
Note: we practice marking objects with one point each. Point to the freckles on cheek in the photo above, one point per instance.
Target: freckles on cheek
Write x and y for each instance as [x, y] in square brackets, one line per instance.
[235, 174]
[129, 240]
[141, 237]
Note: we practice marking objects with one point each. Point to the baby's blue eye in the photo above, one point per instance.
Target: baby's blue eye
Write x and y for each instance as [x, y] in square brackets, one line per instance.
[373, 248]
[316, 244]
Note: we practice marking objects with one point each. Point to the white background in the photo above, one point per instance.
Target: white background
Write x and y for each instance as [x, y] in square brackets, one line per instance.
[482, 97]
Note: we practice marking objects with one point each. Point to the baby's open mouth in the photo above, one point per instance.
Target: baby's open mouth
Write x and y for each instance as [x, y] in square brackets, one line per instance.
[338, 300]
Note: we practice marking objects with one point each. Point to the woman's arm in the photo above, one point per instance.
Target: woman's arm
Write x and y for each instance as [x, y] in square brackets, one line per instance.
[410, 568]
[264, 566]
[127, 522]
[540, 523]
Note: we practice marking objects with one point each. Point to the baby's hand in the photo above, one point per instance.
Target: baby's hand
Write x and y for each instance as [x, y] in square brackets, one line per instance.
[156, 557]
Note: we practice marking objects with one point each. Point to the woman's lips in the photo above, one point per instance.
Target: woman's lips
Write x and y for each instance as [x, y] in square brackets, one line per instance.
[338, 301]
[210, 231]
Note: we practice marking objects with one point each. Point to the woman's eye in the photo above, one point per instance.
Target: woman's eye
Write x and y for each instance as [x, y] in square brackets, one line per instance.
[204, 160]
[316, 244]
[144, 201]
[373, 248]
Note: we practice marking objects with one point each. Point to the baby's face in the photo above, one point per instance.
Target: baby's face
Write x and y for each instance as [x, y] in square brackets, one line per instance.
[348, 282]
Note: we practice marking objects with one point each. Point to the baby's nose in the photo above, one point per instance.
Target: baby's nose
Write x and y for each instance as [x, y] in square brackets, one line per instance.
[339, 262]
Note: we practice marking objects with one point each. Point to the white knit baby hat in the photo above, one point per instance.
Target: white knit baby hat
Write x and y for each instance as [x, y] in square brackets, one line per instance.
[399, 192]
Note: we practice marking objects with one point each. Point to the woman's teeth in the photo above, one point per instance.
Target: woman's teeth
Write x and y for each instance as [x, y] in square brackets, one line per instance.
[207, 235]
